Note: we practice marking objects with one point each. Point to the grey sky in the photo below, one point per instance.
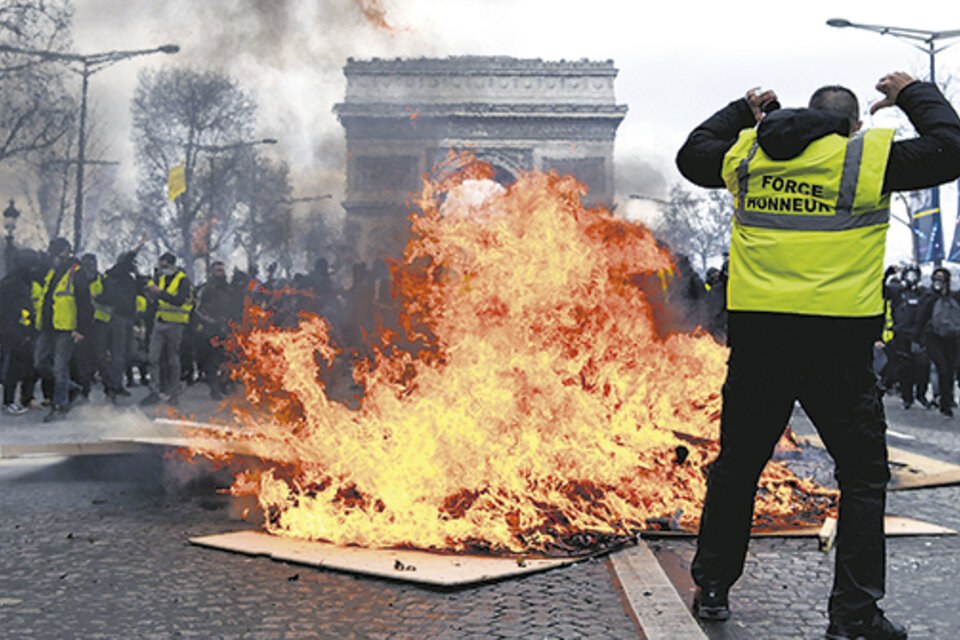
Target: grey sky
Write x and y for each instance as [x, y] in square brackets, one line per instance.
[679, 61]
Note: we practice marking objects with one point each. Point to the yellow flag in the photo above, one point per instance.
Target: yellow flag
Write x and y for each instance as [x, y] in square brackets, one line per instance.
[176, 182]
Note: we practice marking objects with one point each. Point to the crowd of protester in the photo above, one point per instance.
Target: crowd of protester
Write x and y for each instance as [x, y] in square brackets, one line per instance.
[917, 354]
[66, 328]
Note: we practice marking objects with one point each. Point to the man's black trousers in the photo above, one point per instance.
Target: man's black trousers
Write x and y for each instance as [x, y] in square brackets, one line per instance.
[826, 364]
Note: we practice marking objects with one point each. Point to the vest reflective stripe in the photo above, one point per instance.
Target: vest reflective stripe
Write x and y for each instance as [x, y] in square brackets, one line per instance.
[64, 301]
[801, 222]
[101, 312]
[887, 334]
[170, 312]
[809, 233]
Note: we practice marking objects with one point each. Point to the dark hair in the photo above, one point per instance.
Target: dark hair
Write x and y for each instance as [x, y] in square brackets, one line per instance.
[217, 263]
[58, 246]
[944, 271]
[839, 100]
[169, 258]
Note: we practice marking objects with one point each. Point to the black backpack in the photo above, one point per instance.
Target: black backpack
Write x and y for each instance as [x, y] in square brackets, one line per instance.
[945, 321]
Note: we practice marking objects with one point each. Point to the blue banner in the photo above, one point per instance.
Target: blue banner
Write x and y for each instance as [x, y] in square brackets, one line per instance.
[955, 245]
[927, 228]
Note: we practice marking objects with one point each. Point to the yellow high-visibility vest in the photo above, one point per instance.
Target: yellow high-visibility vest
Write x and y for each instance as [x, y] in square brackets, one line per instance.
[887, 334]
[36, 293]
[809, 233]
[167, 312]
[141, 304]
[101, 312]
[64, 301]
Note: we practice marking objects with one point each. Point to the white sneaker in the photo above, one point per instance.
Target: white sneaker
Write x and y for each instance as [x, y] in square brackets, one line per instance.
[14, 409]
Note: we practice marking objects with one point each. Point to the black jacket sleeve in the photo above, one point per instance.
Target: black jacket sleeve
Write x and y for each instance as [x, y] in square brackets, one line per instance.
[933, 157]
[700, 159]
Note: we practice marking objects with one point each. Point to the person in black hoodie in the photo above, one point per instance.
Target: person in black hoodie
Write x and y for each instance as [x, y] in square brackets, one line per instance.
[17, 333]
[120, 292]
[940, 344]
[805, 308]
[912, 364]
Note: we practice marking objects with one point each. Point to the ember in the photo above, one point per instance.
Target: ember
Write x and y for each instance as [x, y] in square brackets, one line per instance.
[527, 403]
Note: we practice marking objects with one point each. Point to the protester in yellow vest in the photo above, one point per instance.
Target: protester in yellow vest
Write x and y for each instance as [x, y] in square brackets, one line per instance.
[173, 296]
[805, 301]
[64, 319]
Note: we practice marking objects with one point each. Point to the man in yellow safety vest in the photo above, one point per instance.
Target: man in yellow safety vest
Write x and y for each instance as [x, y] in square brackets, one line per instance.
[173, 296]
[811, 210]
[63, 320]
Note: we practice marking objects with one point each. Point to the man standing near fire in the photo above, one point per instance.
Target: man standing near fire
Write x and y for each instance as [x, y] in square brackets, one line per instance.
[63, 319]
[805, 302]
[172, 295]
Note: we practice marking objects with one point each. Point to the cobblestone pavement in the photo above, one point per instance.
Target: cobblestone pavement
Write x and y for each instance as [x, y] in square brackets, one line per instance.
[96, 547]
[783, 592]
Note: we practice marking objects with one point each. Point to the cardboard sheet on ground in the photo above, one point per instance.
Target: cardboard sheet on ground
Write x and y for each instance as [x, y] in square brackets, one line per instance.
[893, 526]
[912, 470]
[397, 564]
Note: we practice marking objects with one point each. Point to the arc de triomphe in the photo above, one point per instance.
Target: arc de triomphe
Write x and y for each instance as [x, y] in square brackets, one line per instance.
[402, 116]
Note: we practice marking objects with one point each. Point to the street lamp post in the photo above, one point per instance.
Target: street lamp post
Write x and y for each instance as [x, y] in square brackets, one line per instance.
[88, 65]
[926, 36]
[929, 38]
[10, 215]
[213, 150]
[640, 196]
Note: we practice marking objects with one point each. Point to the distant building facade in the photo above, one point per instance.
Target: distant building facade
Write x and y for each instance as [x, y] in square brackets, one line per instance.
[401, 117]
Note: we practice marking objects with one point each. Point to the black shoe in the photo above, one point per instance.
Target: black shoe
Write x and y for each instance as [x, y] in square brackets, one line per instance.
[152, 398]
[876, 628]
[711, 603]
[946, 413]
[906, 405]
[56, 413]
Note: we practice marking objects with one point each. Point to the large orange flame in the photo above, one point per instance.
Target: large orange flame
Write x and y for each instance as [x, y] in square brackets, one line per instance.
[529, 405]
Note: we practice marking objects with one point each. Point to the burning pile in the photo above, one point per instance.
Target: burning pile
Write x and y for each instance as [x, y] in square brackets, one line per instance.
[526, 405]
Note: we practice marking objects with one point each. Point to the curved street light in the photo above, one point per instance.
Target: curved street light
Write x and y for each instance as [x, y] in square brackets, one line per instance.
[927, 36]
[88, 65]
[640, 196]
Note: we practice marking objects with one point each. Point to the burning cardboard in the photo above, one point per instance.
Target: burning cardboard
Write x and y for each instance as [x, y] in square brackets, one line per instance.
[522, 398]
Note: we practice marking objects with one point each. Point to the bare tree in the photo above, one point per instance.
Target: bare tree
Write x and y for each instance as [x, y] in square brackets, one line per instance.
[185, 116]
[697, 222]
[35, 109]
[266, 231]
